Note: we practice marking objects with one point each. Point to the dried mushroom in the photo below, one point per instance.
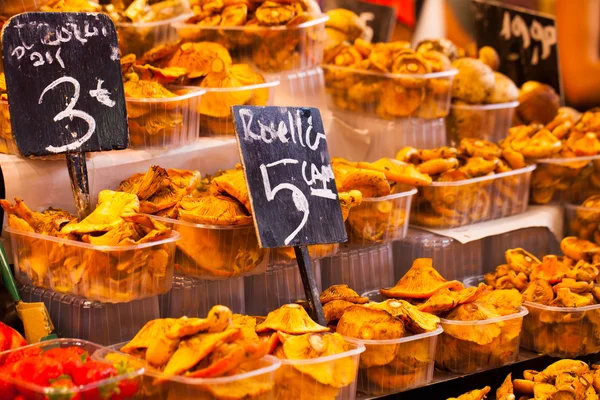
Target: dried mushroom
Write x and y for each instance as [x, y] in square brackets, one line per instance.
[478, 394]
[292, 319]
[88, 272]
[341, 292]
[358, 77]
[217, 236]
[375, 220]
[584, 221]
[200, 348]
[560, 175]
[387, 362]
[420, 282]
[448, 205]
[550, 285]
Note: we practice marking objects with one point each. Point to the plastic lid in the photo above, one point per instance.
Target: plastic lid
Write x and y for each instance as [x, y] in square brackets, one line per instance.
[523, 312]
[358, 349]
[318, 20]
[562, 309]
[567, 160]
[471, 181]
[202, 226]
[485, 107]
[405, 339]
[166, 22]
[394, 196]
[175, 236]
[443, 74]
[194, 91]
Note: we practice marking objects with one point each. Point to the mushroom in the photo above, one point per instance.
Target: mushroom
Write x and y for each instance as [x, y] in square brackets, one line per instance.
[292, 319]
[420, 282]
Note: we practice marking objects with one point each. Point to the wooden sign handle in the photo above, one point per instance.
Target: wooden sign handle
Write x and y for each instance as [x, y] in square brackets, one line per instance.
[79, 182]
[310, 284]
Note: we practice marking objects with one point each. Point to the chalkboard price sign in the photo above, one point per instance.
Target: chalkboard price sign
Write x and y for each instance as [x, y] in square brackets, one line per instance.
[65, 90]
[289, 175]
[525, 40]
[290, 179]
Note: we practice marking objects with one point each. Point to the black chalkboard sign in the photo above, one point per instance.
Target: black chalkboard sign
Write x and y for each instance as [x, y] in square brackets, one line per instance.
[380, 19]
[65, 90]
[525, 40]
[289, 175]
[292, 188]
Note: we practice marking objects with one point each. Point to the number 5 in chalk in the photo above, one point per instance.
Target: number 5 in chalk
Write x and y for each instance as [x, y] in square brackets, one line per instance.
[70, 112]
[300, 200]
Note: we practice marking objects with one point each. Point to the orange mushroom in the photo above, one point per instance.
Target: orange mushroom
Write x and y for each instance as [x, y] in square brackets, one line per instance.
[292, 319]
[421, 282]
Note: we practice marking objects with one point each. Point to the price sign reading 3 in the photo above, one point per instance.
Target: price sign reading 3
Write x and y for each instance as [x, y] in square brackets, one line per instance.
[64, 68]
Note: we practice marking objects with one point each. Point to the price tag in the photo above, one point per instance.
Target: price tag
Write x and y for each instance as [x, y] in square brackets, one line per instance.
[65, 90]
[525, 40]
[290, 179]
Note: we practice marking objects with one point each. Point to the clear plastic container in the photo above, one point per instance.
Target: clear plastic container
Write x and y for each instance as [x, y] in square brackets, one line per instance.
[486, 121]
[299, 88]
[165, 122]
[363, 269]
[7, 143]
[280, 284]
[379, 219]
[539, 241]
[216, 251]
[110, 274]
[102, 323]
[193, 297]
[216, 118]
[563, 332]
[454, 204]
[451, 258]
[565, 180]
[138, 38]
[409, 363]
[389, 96]
[497, 343]
[257, 383]
[582, 222]
[356, 136]
[96, 352]
[270, 49]
[296, 378]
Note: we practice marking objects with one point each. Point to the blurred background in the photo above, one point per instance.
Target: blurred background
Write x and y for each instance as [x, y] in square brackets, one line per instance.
[577, 23]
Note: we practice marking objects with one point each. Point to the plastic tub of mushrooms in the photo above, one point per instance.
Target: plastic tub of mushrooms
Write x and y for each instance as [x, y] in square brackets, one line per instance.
[274, 37]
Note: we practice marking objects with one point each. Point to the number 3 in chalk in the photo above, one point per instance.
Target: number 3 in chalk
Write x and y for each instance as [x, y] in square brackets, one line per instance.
[70, 112]
[300, 200]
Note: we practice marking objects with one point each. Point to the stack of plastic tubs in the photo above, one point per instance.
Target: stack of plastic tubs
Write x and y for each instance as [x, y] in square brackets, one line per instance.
[455, 260]
[211, 262]
[287, 55]
[385, 121]
[100, 293]
[365, 263]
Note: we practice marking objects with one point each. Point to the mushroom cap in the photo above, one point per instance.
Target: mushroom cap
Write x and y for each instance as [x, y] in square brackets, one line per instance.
[483, 334]
[551, 269]
[338, 374]
[341, 292]
[292, 319]
[421, 282]
[413, 318]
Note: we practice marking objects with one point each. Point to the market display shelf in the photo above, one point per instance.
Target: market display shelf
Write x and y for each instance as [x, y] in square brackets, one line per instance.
[445, 385]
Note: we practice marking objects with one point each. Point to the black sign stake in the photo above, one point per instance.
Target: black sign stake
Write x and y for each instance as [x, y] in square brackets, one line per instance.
[310, 284]
[292, 188]
[65, 90]
[79, 182]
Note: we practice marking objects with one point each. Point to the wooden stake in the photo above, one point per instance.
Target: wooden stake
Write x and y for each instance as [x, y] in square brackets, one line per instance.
[310, 284]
